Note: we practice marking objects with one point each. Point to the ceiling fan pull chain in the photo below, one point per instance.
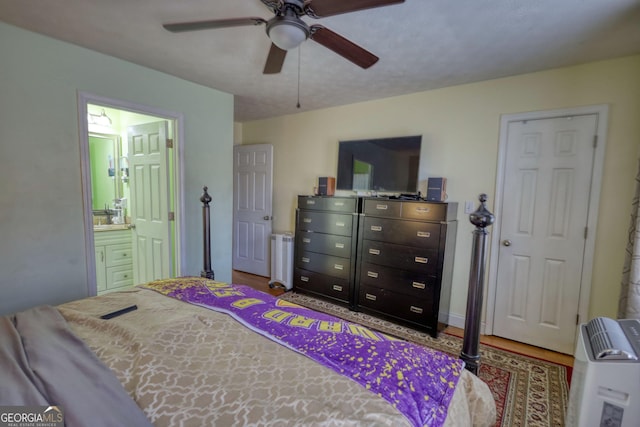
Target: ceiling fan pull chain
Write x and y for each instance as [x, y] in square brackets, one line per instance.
[299, 55]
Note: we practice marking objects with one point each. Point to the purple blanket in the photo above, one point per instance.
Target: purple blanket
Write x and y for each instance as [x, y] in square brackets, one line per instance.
[416, 380]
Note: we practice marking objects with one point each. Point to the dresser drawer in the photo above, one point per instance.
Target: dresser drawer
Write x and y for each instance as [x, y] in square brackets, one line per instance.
[382, 207]
[334, 204]
[324, 222]
[322, 284]
[326, 264]
[329, 244]
[418, 285]
[119, 276]
[411, 233]
[401, 257]
[118, 254]
[429, 211]
[398, 305]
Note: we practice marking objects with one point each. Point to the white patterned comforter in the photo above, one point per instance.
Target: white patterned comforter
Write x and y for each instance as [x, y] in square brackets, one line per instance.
[188, 366]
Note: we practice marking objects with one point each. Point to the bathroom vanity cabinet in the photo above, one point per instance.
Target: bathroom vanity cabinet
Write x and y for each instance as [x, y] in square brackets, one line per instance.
[114, 262]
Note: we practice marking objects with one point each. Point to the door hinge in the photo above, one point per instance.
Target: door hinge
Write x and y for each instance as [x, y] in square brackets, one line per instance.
[169, 143]
[595, 141]
[172, 216]
[586, 231]
[578, 319]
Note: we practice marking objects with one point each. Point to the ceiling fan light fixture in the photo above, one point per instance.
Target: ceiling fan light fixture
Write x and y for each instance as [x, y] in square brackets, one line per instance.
[287, 32]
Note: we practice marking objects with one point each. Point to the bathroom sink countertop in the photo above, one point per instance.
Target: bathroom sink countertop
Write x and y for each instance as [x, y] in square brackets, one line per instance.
[110, 227]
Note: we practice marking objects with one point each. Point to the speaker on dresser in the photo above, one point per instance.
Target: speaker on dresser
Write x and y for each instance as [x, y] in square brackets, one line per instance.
[437, 189]
[326, 186]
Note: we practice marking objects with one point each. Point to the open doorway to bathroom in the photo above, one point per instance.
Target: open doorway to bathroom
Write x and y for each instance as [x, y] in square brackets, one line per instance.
[130, 165]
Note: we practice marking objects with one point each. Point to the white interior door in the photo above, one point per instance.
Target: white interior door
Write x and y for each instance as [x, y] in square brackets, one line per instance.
[252, 213]
[149, 204]
[545, 205]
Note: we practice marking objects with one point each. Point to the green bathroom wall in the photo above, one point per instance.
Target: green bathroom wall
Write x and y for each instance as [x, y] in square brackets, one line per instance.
[102, 155]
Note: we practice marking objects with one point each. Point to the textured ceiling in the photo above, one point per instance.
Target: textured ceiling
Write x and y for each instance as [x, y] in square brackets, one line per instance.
[422, 44]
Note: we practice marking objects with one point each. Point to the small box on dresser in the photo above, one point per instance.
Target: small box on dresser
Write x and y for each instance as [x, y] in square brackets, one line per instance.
[325, 247]
[405, 261]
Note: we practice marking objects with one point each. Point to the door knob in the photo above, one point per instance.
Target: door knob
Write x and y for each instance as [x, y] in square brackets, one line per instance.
[266, 217]
[506, 242]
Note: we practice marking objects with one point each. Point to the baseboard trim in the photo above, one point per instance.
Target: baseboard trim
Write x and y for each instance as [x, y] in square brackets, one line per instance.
[458, 321]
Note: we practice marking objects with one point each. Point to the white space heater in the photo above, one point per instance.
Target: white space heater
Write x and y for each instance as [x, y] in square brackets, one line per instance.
[282, 261]
[605, 384]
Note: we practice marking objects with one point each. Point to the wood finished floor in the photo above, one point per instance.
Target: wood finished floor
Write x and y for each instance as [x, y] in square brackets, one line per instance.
[262, 283]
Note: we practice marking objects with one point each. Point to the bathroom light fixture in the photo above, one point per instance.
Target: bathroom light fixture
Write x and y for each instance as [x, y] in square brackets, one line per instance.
[99, 119]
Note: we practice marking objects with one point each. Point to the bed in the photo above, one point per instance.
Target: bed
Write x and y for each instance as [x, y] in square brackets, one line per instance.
[185, 357]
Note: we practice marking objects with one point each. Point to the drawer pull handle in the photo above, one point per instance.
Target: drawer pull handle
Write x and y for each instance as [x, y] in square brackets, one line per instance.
[338, 266]
[311, 202]
[126, 275]
[374, 251]
[124, 255]
[382, 207]
[370, 297]
[337, 288]
[307, 220]
[340, 245]
[423, 234]
[376, 228]
[338, 204]
[418, 285]
[416, 309]
[372, 274]
[421, 260]
[339, 224]
[422, 210]
[305, 259]
[304, 279]
[306, 240]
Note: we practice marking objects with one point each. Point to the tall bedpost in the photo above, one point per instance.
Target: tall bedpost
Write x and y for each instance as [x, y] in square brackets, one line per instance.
[206, 231]
[481, 218]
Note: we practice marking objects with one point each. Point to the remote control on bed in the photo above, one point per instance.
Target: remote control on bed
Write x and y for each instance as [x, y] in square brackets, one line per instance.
[119, 312]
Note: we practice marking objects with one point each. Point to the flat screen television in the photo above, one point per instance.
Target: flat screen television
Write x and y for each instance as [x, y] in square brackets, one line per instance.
[382, 165]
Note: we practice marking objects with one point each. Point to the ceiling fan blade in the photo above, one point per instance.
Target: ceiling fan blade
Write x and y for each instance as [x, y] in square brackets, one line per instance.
[322, 8]
[179, 27]
[342, 46]
[275, 59]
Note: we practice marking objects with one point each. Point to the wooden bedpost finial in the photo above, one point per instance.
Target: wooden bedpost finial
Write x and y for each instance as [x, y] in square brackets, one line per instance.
[482, 217]
[205, 198]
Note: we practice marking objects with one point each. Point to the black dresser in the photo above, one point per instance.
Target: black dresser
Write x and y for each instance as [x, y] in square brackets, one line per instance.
[405, 261]
[387, 257]
[325, 247]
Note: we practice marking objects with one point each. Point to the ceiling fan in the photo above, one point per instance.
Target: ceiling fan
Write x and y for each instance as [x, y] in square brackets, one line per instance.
[287, 31]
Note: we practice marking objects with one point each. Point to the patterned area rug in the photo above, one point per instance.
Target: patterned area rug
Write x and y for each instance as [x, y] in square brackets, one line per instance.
[528, 391]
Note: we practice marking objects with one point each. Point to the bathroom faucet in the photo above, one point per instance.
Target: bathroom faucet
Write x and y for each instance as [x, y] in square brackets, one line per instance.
[109, 213]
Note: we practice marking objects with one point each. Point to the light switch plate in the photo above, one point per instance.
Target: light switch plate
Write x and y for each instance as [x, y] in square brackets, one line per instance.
[468, 206]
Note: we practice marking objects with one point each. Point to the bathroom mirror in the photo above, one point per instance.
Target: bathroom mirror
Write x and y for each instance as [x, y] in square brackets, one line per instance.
[106, 172]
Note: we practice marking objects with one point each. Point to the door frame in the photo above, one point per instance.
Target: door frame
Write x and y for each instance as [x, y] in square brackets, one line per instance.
[602, 112]
[85, 98]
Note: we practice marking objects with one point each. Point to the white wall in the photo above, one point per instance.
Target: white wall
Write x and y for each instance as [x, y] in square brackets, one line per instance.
[460, 129]
[42, 254]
